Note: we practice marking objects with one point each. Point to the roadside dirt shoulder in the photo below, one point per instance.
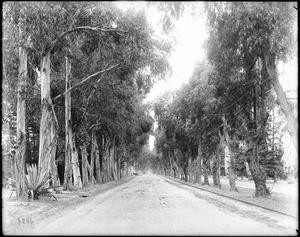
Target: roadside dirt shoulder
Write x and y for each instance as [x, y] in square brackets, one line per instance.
[276, 220]
[22, 215]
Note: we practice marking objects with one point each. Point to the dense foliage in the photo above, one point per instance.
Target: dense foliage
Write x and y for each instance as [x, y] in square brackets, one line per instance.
[108, 104]
[229, 99]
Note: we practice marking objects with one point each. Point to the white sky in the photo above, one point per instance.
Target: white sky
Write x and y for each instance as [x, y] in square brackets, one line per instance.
[191, 34]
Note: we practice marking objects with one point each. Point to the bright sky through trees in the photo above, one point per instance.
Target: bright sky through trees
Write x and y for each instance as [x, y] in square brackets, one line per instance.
[190, 33]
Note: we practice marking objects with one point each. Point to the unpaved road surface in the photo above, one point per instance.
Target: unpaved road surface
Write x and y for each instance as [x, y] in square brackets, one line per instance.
[151, 205]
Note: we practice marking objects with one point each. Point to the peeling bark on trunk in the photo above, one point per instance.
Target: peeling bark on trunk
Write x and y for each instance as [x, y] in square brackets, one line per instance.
[85, 178]
[71, 150]
[47, 145]
[232, 175]
[21, 127]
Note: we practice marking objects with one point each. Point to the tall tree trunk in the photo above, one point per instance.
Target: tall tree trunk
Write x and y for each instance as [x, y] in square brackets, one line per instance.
[70, 135]
[172, 165]
[185, 171]
[232, 175]
[92, 166]
[75, 163]
[118, 166]
[68, 156]
[220, 150]
[105, 159]
[127, 169]
[112, 158]
[205, 173]
[21, 127]
[85, 178]
[48, 119]
[199, 162]
[95, 156]
[54, 171]
[258, 143]
[216, 169]
[175, 168]
[11, 157]
[189, 168]
[258, 174]
[108, 163]
[286, 108]
[219, 158]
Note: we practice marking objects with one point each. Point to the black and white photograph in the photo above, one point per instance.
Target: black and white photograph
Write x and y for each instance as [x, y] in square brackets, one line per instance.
[150, 118]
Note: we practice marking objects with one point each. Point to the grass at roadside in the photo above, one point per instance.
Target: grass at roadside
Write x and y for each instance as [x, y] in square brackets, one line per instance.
[17, 215]
[279, 202]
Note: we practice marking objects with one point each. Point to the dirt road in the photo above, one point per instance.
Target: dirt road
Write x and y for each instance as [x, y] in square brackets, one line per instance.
[150, 205]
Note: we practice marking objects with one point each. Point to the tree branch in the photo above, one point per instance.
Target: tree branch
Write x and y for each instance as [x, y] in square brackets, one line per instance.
[92, 93]
[94, 125]
[84, 80]
[83, 28]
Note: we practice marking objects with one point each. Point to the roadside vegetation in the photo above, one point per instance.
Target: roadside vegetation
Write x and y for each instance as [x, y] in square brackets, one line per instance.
[231, 116]
[74, 79]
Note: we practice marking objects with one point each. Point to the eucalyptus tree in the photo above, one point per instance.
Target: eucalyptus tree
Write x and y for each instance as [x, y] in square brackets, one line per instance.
[88, 34]
[112, 105]
[245, 41]
[10, 48]
[15, 25]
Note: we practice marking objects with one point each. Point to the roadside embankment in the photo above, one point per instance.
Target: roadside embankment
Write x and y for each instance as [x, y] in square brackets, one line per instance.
[279, 202]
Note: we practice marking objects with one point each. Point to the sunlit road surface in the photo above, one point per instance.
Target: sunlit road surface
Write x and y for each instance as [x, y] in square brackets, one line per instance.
[150, 205]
